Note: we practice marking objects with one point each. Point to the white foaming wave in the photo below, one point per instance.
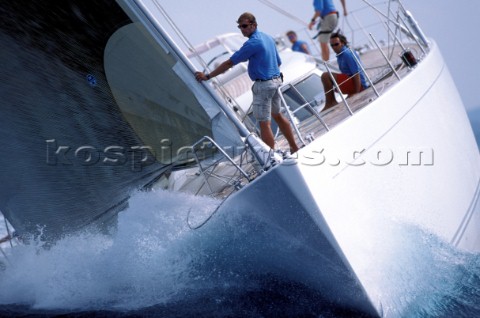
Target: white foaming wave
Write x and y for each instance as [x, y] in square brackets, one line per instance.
[147, 261]
[155, 258]
[421, 273]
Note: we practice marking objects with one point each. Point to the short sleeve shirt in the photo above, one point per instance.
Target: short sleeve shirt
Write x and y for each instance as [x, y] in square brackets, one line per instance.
[348, 65]
[324, 6]
[261, 53]
[297, 46]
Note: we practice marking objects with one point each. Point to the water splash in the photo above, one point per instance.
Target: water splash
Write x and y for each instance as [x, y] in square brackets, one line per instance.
[147, 261]
[155, 264]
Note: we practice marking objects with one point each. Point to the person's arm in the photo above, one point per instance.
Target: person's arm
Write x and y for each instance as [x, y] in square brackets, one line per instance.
[315, 16]
[357, 83]
[304, 48]
[352, 67]
[344, 5]
[222, 68]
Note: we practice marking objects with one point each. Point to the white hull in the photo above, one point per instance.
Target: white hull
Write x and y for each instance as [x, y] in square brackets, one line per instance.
[423, 112]
[335, 213]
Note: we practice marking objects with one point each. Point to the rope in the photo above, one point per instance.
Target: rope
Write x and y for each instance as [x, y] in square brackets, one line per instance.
[9, 233]
[196, 227]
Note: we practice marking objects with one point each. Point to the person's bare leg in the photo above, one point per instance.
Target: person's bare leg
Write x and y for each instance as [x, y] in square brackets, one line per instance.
[325, 51]
[266, 134]
[330, 100]
[286, 130]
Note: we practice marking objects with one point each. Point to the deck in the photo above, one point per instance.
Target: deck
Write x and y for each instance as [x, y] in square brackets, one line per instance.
[383, 78]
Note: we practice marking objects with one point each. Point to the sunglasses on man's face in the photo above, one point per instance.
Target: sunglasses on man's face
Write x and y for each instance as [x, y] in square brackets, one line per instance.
[243, 26]
[334, 44]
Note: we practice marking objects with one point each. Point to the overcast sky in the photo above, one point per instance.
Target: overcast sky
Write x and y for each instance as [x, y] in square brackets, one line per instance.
[454, 25]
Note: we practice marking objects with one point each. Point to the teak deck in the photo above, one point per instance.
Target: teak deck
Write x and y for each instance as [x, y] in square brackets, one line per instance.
[383, 78]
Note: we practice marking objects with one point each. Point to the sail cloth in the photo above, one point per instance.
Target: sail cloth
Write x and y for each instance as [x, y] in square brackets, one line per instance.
[160, 98]
[74, 138]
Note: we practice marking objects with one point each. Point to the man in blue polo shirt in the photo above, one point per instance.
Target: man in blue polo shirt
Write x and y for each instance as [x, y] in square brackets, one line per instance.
[263, 68]
[352, 80]
[297, 45]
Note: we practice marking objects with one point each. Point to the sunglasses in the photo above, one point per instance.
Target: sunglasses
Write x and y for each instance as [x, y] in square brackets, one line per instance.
[243, 26]
[334, 44]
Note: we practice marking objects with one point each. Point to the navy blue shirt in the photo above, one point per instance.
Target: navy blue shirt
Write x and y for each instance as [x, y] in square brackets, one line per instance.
[262, 56]
[348, 65]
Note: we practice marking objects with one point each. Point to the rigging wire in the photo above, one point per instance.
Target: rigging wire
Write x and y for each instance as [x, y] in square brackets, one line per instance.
[285, 13]
[179, 33]
[275, 7]
[191, 48]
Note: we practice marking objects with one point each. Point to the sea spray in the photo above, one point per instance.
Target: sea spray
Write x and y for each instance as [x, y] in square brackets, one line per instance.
[154, 264]
[145, 262]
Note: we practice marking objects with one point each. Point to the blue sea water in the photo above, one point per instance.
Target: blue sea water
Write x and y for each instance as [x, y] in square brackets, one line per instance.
[153, 267]
[474, 116]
